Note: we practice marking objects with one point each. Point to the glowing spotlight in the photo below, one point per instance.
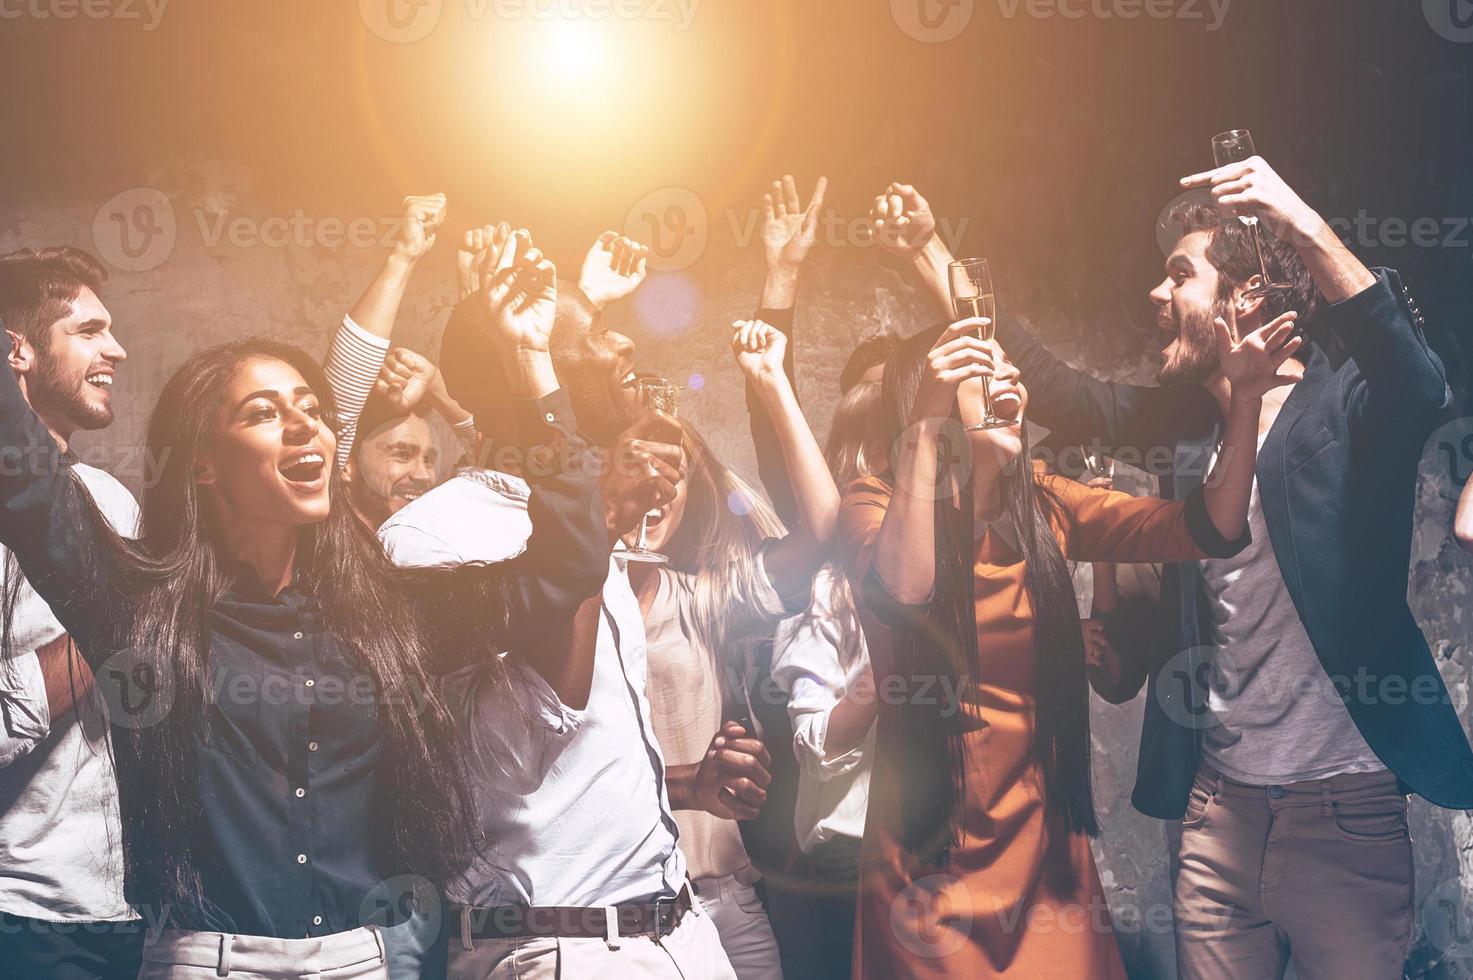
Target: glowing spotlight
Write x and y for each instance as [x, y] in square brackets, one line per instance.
[572, 50]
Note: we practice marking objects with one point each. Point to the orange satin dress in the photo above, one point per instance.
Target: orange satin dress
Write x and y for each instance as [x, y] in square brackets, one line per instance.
[1020, 896]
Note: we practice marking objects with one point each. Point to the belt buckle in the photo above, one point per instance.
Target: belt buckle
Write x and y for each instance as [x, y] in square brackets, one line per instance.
[662, 905]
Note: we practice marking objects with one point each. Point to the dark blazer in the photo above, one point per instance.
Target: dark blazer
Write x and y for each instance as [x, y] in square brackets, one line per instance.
[1337, 479]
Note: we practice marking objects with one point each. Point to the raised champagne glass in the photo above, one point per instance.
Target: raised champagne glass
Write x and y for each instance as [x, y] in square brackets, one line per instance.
[972, 296]
[653, 395]
[1235, 146]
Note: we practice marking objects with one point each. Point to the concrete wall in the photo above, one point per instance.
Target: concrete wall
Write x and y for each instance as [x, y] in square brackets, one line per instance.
[173, 296]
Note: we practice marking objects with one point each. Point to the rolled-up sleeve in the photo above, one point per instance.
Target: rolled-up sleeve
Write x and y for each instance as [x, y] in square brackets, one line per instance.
[25, 717]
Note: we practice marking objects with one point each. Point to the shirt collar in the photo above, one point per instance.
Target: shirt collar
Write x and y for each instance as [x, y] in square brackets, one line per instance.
[1002, 528]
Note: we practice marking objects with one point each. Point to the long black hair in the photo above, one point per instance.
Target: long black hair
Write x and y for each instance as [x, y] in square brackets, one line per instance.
[943, 642]
[173, 575]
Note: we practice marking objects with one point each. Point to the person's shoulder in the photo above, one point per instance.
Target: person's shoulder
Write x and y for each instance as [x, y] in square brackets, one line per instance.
[480, 515]
[113, 499]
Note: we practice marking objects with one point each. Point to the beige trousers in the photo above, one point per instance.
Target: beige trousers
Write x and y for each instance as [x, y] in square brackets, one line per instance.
[692, 951]
[176, 955]
[1318, 872]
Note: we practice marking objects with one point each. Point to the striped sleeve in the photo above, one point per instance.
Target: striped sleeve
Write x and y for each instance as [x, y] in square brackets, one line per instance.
[354, 359]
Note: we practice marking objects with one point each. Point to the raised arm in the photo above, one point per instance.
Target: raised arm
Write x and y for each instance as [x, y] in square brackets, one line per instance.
[905, 547]
[524, 604]
[356, 352]
[791, 562]
[1371, 313]
[1075, 407]
[789, 232]
[51, 527]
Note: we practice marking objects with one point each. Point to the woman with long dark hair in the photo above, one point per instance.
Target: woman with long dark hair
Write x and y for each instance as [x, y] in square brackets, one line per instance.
[977, 860]
[734, 573]
[283, 763]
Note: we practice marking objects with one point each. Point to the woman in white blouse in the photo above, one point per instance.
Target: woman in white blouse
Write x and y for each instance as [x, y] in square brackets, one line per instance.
[821, 662]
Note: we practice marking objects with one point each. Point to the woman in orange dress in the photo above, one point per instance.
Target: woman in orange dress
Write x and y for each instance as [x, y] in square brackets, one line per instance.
[976, 858]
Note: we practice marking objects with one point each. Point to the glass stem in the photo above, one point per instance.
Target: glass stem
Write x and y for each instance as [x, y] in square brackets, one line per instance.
[987, 400]
[644, 525]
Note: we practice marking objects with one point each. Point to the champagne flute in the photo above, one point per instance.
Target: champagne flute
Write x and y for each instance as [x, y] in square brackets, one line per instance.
[654, 395]
[1235, 146]
[972, 296]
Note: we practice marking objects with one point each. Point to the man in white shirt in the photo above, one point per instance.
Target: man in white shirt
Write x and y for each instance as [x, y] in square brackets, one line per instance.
[62, 911]
[580, 873]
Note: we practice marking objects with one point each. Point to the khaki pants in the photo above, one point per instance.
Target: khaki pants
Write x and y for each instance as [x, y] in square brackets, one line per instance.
[692, 951]
[1318, 872]
[177, 955]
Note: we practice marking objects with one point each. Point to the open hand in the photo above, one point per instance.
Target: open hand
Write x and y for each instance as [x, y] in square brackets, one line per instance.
[790, 230]
[1259, 362]
[478, 249]
[521, 296]
[613, 268]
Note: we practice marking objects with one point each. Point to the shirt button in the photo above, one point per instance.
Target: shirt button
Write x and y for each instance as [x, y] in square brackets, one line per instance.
[311, 746]
[317, 920]
[297, 635]
[301, 792]
[311, 682]
[301, 859]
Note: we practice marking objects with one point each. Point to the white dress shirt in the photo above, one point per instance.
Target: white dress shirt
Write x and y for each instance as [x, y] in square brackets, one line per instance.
[572, 803]
[833, 794]
[60, 838]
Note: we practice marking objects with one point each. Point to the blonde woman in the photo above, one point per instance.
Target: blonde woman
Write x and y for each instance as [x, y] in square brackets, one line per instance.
[734, 574]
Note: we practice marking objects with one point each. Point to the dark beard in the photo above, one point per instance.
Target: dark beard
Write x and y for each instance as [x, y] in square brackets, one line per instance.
[601, 416]
[52, 392]
[1196, 359]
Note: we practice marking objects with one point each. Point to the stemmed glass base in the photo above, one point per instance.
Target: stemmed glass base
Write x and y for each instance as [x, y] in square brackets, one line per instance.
[990, 423]
[644, 555]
